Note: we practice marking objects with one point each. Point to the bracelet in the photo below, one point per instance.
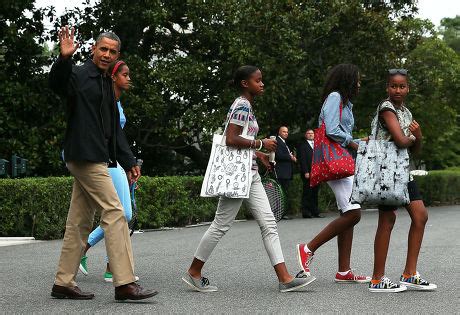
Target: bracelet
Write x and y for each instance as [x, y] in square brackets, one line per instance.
[261, 145]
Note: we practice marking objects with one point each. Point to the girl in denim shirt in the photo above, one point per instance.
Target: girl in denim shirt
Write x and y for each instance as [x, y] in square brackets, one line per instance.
[342, 84]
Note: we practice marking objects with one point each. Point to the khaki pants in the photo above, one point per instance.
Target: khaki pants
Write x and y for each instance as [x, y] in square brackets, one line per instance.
[93, 190]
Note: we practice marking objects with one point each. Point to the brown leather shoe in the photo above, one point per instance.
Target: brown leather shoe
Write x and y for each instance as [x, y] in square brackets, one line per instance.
[133, 291]
[73, 293]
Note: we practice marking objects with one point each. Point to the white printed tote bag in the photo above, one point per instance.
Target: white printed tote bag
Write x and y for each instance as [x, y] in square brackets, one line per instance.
[229, 169]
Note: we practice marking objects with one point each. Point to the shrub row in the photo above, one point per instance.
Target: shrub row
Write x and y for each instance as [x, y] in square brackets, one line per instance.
[440, 187]
[38, 206]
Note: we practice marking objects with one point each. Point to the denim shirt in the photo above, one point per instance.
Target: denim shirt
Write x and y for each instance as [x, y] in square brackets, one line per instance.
[338, 130]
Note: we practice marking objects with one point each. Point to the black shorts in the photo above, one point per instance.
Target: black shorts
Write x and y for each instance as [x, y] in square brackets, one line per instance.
[414, 194]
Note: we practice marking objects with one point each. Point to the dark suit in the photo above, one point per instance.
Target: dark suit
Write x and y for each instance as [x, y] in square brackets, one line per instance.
[310, 195]
[283, 165]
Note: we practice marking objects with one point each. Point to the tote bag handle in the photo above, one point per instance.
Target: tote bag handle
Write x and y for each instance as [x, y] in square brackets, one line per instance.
[340, 110]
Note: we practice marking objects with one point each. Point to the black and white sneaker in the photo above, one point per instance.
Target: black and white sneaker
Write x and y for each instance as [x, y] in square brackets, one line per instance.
[386, 285]
[416, 282]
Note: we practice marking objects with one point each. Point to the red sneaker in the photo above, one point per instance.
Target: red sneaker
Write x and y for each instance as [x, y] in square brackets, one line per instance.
[351, 277]
[304, 258]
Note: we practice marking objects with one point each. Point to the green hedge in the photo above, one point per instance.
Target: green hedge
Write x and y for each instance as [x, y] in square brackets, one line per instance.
[440, 187]
[34, 206]
[38, 206]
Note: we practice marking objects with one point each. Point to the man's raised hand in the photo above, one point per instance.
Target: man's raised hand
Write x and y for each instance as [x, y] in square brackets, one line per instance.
[66, 41]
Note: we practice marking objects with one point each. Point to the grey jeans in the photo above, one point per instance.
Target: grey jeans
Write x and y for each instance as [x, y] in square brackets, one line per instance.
[227, 210]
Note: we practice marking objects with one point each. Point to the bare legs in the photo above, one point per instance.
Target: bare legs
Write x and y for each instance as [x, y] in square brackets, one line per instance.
[382, 240]
[344, 242]
[195, 268]
[419, 217]
[342, 227]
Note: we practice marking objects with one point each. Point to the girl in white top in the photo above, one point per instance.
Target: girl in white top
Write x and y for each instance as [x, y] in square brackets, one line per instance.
[248, 80]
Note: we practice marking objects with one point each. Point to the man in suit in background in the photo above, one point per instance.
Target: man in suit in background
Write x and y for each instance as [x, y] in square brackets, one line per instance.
[310, 194]
[284, 159]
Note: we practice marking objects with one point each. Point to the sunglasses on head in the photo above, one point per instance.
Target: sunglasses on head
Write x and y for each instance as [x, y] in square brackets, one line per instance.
[397, 71]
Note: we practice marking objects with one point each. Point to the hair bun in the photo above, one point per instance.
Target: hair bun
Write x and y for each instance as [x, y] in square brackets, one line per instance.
[241, 74]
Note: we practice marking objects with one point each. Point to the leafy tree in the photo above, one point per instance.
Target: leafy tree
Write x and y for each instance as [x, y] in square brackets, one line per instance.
[435, 85]
[450, 29]
[183, 52]
[30, 125]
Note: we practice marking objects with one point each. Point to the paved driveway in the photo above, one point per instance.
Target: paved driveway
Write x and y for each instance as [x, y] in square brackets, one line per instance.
[241, 270]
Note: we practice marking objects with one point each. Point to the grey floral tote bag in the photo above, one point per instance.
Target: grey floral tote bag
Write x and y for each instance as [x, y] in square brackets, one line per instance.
[381, 173]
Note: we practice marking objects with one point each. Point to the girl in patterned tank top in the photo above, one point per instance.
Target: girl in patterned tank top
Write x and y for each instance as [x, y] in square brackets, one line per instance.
[248, 80]
[395, 123]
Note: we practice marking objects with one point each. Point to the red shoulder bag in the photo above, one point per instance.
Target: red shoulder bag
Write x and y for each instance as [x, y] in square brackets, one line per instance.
[330, 160]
